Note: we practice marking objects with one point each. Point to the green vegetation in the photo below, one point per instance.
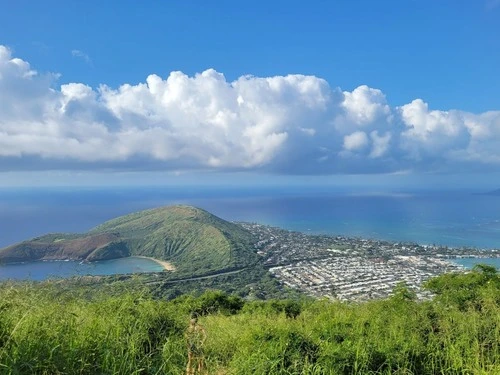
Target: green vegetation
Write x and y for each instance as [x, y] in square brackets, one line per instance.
[195, 241]
[250, 283]
[69, 328]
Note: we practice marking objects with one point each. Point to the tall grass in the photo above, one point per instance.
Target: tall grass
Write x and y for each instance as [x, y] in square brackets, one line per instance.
[48, 329]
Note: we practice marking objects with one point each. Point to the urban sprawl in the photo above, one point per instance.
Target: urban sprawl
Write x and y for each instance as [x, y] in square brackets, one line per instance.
[345, 268]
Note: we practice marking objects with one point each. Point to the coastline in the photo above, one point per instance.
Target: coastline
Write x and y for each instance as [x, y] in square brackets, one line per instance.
[167, 266]
[468, 263]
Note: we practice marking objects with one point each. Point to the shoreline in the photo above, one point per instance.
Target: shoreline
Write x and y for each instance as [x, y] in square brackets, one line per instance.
[167, 266]
[380, 237]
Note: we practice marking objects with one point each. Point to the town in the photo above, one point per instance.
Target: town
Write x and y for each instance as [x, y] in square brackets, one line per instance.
[344, 268]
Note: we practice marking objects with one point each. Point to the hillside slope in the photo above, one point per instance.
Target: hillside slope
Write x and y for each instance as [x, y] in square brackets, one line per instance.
[58, 246]
[194, 240]
[187, 236]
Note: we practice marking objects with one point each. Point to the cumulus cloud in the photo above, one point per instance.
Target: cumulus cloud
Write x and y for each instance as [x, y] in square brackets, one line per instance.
[355, 141]
[432, 133]
[380, 144]
[281, 124]
[362, 108]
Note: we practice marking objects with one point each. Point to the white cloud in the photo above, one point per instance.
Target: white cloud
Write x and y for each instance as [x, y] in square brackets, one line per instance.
[432, 133]
[363, 108]
[380, 144]
[355, 141]
[282, 124]
[81, 55]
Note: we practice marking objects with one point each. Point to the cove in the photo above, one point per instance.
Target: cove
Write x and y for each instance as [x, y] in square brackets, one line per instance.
[44, 270]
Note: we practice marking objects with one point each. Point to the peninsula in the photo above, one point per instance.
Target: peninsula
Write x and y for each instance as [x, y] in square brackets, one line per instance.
[201, 247]
[190, 239]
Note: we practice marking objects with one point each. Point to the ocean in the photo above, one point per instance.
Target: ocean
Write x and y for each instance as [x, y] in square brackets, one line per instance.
[471, 262]
[454, 218]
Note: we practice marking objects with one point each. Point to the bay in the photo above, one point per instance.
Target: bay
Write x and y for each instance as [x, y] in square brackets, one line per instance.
[44, 270]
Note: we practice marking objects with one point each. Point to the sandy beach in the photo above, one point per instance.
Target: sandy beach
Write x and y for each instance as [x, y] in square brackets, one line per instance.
[166, 265]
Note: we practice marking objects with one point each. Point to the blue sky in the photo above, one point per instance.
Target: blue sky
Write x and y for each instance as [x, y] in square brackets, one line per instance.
[280, 88]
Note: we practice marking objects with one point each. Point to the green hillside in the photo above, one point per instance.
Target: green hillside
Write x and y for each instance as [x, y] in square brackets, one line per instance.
[189, 237]
[194, 240]
[66, 246]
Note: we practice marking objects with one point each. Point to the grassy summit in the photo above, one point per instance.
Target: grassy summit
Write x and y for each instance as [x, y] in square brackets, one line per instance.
[194, 240]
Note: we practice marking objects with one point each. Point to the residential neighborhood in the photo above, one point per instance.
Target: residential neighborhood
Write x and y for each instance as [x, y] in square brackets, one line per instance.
[345, 268]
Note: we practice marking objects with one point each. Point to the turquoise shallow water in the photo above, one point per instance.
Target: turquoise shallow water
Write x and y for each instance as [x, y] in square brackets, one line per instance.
[57, 269]
[471, 262]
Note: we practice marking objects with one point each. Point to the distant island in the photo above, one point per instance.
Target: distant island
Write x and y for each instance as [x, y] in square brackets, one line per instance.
[494, 192]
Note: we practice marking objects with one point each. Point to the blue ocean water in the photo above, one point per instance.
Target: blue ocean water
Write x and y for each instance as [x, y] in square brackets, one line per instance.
[471, 262]
[58, 269]
[453, 218]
